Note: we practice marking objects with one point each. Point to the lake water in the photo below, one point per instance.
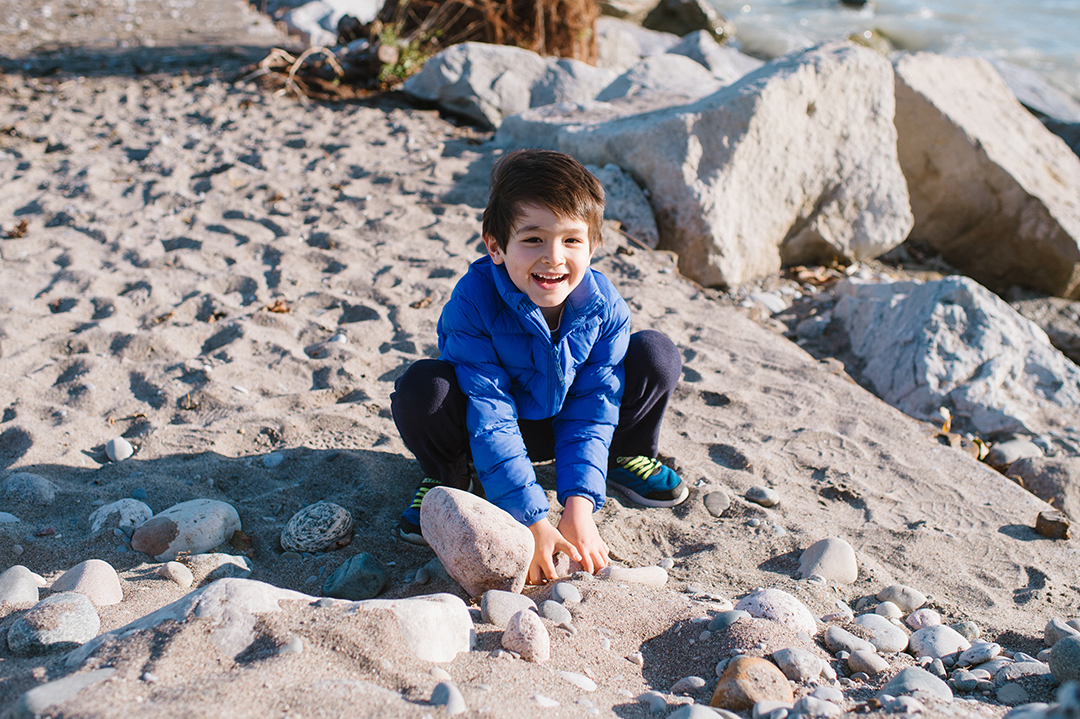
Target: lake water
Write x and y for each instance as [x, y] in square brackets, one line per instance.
[1040, 34]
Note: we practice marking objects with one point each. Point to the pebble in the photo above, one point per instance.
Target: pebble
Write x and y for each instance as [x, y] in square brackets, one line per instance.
[448, 696]
[938, 642]
[8, 518]
[18, 585]
[579, 680]
[656, 701]
[360, 577]
[700, 711]
[770, 301]
[636, 658]
[56, 622]
[771, 710]
[194, 527]
[649, 576]
[667, 563]
[886, 636]
[763, 496]
[816, 708]
[906, 598]
[798, 665]
[546, 702]
[1002, 454]
[1053, 524]
[964, 681]
[688, 685]
[717, 502]
[291, 555]
[29, 488]
[747, 680]
[178, 573]
[480, 546]
[526, 634]
[968, 630]
[922, 618]
[140, 494]
[1065, 659]
[832, 558]
[439, 673]
[978, 653]
[838, 639]
[723, 620]
[94, 578]
[914, 679]
[118, 449]
[779, 606]
[1055, 630]
[273, 459]
[870, 663]
[498, 606]
[888, 610]
[550, 609]
[564, 592]
[295, 645]
[829, 694]
[317, 527]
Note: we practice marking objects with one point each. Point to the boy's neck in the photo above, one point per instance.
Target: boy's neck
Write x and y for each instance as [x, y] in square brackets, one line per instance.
[553, 316]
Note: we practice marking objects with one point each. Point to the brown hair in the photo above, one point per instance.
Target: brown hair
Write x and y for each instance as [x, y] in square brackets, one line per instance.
[545, 178]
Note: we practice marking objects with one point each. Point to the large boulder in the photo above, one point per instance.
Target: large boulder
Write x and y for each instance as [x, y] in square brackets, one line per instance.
[682, 17]
[667, 74]
[621, 43]
[1055, 480]
[794, 163]
[991, 188]
[485, 83]
[724, 62]
[952, 343]
[627, 204]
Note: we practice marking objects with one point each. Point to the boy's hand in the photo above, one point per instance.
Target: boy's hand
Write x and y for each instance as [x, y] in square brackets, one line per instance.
[546, 541]
[578, 528]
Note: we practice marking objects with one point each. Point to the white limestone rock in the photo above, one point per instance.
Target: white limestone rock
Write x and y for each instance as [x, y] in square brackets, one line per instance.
[780, 607]
[124, 513]
[832, 558]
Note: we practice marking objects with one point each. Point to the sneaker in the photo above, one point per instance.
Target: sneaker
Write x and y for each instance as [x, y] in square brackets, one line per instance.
[408, 528]
[647, 481]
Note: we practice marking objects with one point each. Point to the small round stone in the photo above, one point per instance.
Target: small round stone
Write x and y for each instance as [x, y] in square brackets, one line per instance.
[564, 592]
[723, 620]
[968, 630]
[178, 573]
[667, 563]
[717, 502]
[921, 618]
[888, 610]
[447, 695]
[94, 578]
[497, 606]
[906, 598]
[556, 612]
[29, 488]
[1065, 659]
[18, 585]
[527, 635]
[317, 528]
[763, 496]
[360, 577]
[118, 449]
[688, 685]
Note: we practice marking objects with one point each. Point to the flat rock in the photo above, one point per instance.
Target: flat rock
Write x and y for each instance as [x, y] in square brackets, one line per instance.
[825, 182]
[749, 680]
[915, 681]
[832, 558]
[29, 488]
[978, 653]
[838, 639]
[886, 636]
[18, 585]
[649, 576]
[906, 598]
[565, 592]
[991, 188]
[194, 527]
[497, 606]
[362, 576]
[94, 578]
[764, 496]
[870, 663]
[526, 635]
[780, 607]
[1054, 631]
[318, 527]
[1065, 659]
[54, 623]
[37, 701]
[555, 612]
[124, 513]
[717, 502]
[480, 546]
[937, 642]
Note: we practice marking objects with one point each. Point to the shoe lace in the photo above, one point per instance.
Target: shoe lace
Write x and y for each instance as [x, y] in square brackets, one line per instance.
[425, 486]
[643, 467]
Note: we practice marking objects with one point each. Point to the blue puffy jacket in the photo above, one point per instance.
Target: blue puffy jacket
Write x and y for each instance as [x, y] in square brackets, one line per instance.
[509, 367]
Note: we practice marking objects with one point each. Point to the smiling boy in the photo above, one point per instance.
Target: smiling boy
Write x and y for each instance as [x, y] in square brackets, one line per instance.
[538, 363]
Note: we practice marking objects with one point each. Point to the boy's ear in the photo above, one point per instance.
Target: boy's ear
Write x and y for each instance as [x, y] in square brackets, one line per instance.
[493, 250]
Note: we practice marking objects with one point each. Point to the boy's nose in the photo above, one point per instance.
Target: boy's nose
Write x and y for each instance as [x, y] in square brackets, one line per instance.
[554, 254]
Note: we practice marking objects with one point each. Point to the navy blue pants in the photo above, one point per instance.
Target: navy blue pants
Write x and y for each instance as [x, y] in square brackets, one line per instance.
[429, 411]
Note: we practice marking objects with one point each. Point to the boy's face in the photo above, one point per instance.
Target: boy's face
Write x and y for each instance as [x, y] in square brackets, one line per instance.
[546, 256]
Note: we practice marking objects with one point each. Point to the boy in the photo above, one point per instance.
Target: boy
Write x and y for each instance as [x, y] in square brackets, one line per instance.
[538, 363]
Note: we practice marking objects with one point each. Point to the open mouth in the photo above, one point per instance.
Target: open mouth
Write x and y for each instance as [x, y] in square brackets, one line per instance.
[547, 281]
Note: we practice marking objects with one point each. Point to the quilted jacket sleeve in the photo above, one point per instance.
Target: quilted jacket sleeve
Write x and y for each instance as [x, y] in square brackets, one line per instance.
[498, 450]
[586, 423]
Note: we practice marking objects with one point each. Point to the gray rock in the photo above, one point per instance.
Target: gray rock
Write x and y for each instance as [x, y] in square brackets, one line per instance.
[1052, 479]
[192, 527]
[527, 636]
[871, 663]
[688, 685]
[798, 665]
[1002, 454]
[564, 592]
[1035, 93]
[696, 711]
[816, 708]
[767, 202]
[906, 598]
[94, 578]
[555, 612]
[970, 352]
[675, 76]
[724, 62]
[8, 518]
[765, 496]
[480, 546]
[964, 681]
[497, 606]
[780, 607]
[1056, 630]
[829, 694]
[921, 618]
[979, 653]
[118, 449]
[1022, 670]
[838, 639]
[991, 187]
[832, 558]
[362, 576]
[37, 701]
[448, 696]
[916, 681]
[29, 488]
[968, 630]
[319, 527]
[887, 637]
[626, 203]
[937, 642]
[18, 585]
[124, 513]
[723, 620]
[621, 43]
[1065, 659]
[1012, 694]
[54, 623]
[717, 502]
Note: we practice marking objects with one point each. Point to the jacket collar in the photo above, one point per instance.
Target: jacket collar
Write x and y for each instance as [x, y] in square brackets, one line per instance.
[585, 301]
